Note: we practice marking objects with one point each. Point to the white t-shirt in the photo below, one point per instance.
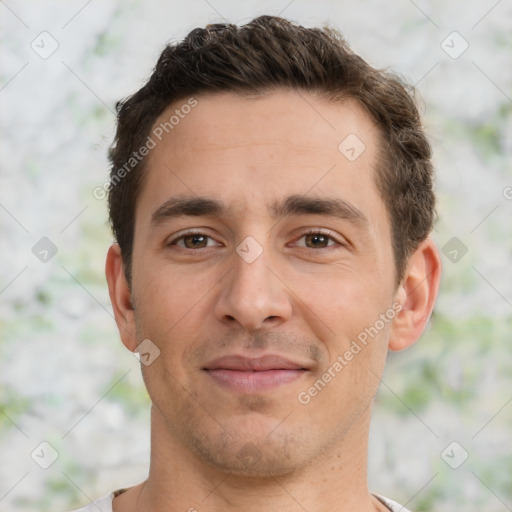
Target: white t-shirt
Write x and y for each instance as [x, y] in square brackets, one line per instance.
[105, 504]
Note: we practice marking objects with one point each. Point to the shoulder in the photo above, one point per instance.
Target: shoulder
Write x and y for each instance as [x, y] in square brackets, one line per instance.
[392, 505]
[102, 505]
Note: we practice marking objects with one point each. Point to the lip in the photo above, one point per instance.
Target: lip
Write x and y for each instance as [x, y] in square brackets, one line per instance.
[262, 363]
[254, 374]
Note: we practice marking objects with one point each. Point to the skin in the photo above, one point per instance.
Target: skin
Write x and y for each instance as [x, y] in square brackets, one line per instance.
[304, 297]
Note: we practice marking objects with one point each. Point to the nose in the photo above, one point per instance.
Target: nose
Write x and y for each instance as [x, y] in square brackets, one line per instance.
[253, 295]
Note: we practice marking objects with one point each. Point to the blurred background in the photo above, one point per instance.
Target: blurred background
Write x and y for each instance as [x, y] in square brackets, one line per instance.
[74, 414]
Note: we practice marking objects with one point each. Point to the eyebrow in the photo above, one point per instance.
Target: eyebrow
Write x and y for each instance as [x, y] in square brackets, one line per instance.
[293, 205]
[186, 206]
[334, 207]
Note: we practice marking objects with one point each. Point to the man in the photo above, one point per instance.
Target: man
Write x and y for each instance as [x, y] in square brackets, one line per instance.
[271, 198]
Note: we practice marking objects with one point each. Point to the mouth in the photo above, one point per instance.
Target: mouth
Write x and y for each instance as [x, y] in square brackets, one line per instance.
[252, 375]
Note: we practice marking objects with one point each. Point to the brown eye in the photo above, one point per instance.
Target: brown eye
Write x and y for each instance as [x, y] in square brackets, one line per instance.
[195, 241]
[315, 240]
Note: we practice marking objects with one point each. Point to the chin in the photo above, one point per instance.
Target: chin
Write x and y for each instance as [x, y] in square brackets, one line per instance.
[252, 455]
[251, 461]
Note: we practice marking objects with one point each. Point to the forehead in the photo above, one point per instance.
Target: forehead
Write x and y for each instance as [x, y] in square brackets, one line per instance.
[250, 151]
[231, 119]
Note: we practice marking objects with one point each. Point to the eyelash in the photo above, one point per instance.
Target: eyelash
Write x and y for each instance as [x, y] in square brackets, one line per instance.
[327, 234]
[184, 235]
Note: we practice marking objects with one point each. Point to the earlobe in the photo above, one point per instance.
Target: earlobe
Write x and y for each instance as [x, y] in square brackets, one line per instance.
[120, 297]
[417, 295]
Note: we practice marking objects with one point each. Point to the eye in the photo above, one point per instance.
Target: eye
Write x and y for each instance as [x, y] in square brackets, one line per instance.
[194, 241]
[316, 240]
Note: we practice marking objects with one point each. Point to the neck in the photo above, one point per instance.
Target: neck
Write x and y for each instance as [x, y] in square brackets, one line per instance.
[179, 481]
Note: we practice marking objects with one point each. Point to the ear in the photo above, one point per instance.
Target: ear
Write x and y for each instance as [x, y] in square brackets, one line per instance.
[120, 296]
[416, 294]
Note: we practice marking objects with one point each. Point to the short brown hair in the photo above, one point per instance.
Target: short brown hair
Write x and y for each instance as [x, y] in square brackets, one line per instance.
[265, 54]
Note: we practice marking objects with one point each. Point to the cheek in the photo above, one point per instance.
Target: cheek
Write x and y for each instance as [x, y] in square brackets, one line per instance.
[341, 302]
[167, 303]
[164, 286]
[347, 319]
[355, 339]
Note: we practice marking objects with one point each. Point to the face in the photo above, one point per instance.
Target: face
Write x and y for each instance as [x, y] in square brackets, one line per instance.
[262, 254]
